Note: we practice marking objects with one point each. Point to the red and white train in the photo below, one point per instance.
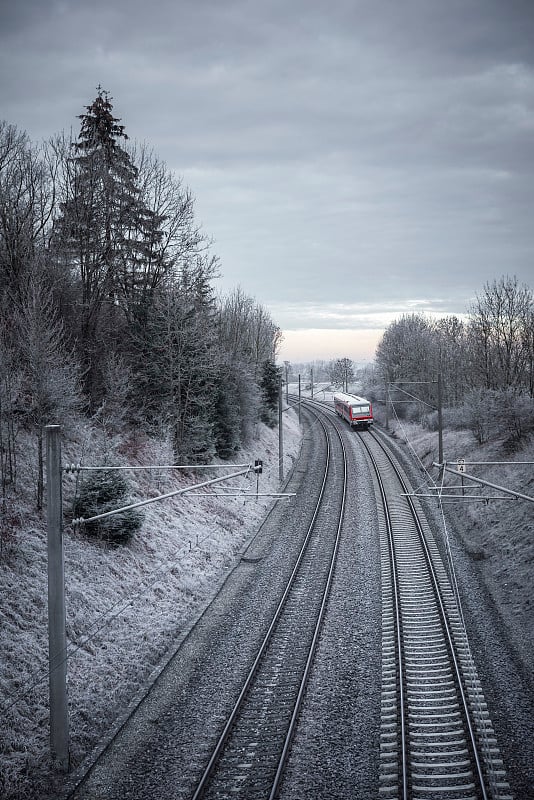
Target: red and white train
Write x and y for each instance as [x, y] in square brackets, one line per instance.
[356, 410]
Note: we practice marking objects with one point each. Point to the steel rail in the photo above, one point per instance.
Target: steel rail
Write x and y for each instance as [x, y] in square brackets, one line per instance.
[444, 620]
[404, 770]
[234, 714]
[309, 661]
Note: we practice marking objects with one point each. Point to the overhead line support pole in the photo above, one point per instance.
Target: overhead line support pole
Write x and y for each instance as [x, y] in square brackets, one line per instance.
[518, 495]
[280, 434]
[57, 640]
[440, 420]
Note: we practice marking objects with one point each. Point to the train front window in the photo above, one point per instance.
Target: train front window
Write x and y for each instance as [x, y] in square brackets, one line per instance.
[360, 410]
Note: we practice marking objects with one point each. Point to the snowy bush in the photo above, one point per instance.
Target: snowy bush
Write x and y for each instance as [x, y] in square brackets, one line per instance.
[517, 414]
[478, 414]
[104, 491]
[489, 414]
[449, 420]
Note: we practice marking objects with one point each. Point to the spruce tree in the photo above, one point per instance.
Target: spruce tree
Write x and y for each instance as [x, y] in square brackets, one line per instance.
[269, 383]
[105, 233]
[175, 354]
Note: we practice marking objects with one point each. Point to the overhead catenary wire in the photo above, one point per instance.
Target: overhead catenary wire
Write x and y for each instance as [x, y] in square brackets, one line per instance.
[73, 467]
[518, 495]
[174, 493]
[126, 600]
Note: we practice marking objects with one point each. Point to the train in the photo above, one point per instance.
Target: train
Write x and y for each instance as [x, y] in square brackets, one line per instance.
[356, 410]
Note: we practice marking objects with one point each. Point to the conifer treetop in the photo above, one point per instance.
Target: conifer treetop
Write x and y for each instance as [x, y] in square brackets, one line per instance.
[99, 127]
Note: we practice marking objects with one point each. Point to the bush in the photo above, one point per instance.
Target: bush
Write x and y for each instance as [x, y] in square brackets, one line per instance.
[449, 418]
[489, 413]
[104, 491]
[517, 414]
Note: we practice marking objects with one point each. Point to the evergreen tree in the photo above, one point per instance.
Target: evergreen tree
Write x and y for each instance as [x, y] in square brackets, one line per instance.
[47, 371]
[269, 383]
[176, 363]
[104, 491]
[105, 233]
[227, 421]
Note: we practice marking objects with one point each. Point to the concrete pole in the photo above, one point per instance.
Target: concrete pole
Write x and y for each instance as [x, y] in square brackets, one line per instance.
[312, 383]
[280, 434]
[57, 640]
[299, 398]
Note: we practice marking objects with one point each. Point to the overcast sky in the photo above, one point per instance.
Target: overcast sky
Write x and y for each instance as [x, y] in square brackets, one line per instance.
[353, 160]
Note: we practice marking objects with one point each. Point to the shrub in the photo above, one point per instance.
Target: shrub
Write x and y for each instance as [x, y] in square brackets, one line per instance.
[517, 415]
[104, 491]
[489, 413]
[449, 418]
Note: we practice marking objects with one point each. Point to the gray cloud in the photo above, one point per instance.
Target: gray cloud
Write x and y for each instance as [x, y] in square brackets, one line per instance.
[349, 152]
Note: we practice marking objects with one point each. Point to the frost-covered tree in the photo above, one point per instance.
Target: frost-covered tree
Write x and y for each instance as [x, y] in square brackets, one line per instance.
[100, 492]
[181, 237]
[269, 384]
[248, 341]
[176, 362]
[501, 335]
[342, 372]
[48, 371]
[27, 197]
[451, 348]
[105, 234]
[409, 352]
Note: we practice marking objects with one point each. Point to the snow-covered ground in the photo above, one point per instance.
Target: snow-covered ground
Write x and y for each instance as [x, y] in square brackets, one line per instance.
[126, 605]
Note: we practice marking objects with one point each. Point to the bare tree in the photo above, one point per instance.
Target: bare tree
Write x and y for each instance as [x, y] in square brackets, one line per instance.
[342, 372]
[247, 330]
[172, 204]
[452, 348]
[50, 386]
[27, 200]
[501, 320]
[409, 351]
[249, 341]
[9, 391]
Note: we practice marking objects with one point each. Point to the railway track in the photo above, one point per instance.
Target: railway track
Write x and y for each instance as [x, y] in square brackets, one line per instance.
[436, 737]
[437, 740]
[248, 759]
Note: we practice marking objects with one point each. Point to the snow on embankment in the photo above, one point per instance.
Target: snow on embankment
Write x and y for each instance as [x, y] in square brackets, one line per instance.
[497, 533]
[125, 605]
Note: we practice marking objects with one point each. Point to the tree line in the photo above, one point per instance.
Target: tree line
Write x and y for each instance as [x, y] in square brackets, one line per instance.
[337, 372]
[486, 363]
[107, 301]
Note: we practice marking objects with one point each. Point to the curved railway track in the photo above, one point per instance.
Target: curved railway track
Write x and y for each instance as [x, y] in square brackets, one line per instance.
[249, 757]
[436, 737]
[437, 740]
